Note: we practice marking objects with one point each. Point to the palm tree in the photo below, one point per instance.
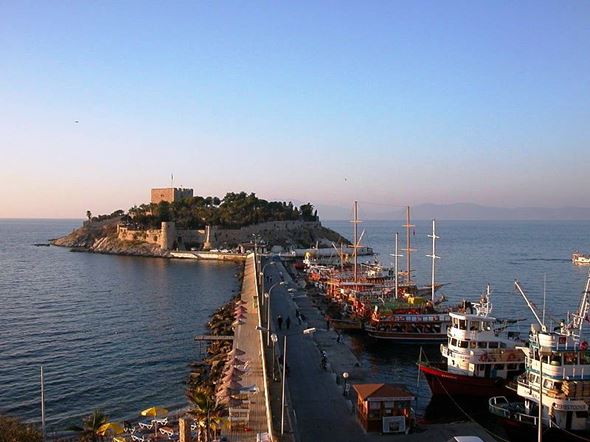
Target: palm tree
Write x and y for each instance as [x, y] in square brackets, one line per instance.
[90, 425]
[204, 407]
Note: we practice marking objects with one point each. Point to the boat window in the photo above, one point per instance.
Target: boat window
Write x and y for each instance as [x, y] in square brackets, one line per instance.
[493, 345]
[570, 358]
[464, 344]
[453, 342]
[482, 344]
[474, 325]
[582, 414]
[502, 345]
[585, 357]
[472, 344]
[486, 326]
[455, 323]
[462, 324]
[555, 359]
[499, 366]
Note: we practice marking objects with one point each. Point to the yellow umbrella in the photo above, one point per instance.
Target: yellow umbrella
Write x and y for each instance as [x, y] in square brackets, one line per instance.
[112, 427]
[155, 412]
[120, 439]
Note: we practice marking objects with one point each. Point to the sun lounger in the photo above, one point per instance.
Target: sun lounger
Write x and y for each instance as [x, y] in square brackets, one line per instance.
[167, 431]
[140, 437]
[163, 421]
[146, 425]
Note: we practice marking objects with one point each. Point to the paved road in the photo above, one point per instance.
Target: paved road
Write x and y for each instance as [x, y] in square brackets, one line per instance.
[321, 411]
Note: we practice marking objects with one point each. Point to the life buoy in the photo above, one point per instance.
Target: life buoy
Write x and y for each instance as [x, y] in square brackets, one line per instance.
[484, 357]
[583, 346]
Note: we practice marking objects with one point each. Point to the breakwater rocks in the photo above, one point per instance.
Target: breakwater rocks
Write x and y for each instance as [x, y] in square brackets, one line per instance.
[101, 237]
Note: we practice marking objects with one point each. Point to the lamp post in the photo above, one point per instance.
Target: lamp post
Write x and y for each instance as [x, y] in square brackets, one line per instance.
[261, 274]
[274, 338]
[267, 296]
[345, 377]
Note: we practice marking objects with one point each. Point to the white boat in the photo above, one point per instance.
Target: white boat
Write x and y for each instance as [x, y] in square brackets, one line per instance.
[580, 259]
[480, 356]
[555, 388]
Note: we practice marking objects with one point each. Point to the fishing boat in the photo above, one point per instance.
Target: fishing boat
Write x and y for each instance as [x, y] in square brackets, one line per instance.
[580, 259]
[480, 356]
[554, 390]
[408, 317]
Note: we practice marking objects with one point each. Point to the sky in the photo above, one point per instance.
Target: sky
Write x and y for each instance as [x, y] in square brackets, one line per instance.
[389, 103]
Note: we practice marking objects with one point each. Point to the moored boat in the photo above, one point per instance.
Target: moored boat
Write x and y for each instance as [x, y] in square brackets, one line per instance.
[480, 356]
[580, 259]
[554, 391]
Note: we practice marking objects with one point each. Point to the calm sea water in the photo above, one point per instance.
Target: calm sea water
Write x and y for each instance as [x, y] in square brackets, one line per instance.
[473, 254]
[112, 332]
[117, 332]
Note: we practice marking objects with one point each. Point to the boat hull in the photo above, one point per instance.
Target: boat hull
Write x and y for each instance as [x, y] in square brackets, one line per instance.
[401, 337]
[443, 383]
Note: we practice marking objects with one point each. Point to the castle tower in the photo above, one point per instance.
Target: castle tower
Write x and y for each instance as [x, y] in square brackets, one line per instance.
[167, 235]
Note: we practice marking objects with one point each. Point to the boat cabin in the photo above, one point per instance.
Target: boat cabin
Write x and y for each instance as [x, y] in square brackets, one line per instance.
[384, 408]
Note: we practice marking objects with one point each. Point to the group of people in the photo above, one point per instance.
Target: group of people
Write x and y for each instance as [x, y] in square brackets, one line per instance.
[298, 315]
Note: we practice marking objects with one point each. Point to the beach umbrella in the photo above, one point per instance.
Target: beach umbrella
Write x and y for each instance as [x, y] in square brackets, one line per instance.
[232, 385]
[236, 352]
[120, 439]
[155, 412]
[110, 427]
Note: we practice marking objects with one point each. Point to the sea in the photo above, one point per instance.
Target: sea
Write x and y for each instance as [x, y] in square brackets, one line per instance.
[112, 332]
[117, 333]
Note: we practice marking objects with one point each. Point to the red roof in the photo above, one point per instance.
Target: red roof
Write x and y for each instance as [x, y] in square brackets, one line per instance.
[366, 391]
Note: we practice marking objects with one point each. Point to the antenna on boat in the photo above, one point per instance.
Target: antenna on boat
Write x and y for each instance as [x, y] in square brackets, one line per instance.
[581, 314]
[531, 306]
[408, 248]
[433, 256]
[395, 264]
[355, 221]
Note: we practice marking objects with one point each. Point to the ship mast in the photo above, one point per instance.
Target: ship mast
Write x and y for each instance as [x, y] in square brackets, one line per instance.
[408, 248]
[395, 265]
[531, 306]
[355, 221]
[433, 256]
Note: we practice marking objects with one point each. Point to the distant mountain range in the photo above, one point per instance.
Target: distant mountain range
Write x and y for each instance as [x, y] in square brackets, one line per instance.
[461, 211]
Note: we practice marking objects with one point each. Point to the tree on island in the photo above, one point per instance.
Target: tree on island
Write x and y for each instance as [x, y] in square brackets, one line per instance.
[90, 425]
[14, 430]
[235, 210]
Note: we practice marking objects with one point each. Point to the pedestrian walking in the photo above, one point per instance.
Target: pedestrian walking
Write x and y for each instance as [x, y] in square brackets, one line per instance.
[288, 322]
[280, 322]
[298, 316]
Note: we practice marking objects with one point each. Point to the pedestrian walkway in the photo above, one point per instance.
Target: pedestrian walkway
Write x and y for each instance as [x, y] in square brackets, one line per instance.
[247, 339]
[317, 407]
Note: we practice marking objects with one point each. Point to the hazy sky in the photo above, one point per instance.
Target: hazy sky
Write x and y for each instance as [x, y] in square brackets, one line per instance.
[386, 102]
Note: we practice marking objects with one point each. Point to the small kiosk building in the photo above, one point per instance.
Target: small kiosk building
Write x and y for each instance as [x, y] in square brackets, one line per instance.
[385, 408]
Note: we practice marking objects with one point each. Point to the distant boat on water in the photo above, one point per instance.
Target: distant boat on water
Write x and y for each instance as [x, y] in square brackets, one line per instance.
[580, 259]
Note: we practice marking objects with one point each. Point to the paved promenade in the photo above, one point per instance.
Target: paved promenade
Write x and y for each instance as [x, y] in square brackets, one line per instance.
[248, 340]
[317, 407]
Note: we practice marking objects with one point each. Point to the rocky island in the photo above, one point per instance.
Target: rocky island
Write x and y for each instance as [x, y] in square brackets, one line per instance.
[175, 220]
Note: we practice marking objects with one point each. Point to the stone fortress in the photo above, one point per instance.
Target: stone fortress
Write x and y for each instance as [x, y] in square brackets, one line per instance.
[170, 194]
[169, 237]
